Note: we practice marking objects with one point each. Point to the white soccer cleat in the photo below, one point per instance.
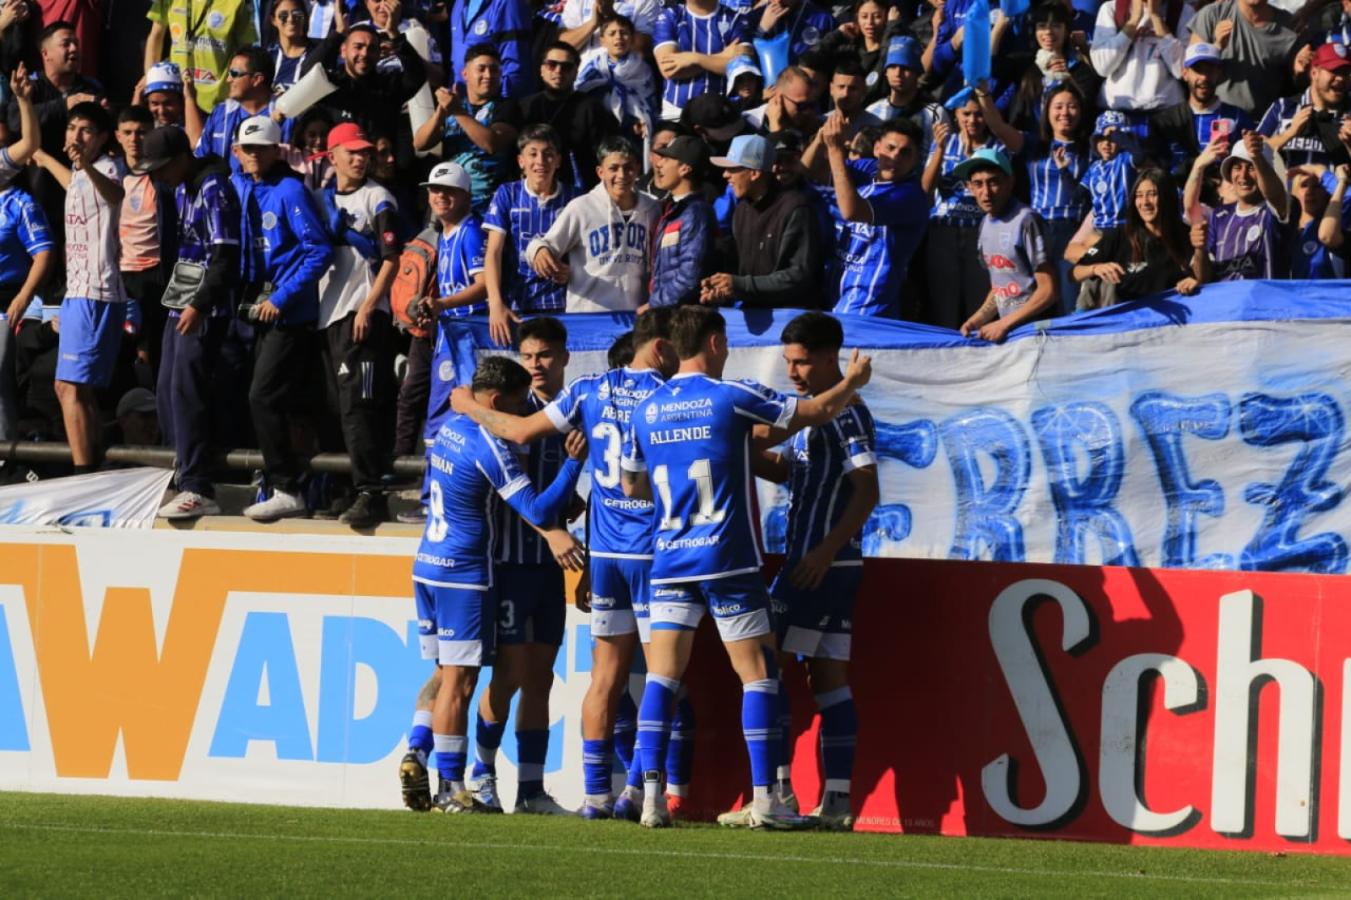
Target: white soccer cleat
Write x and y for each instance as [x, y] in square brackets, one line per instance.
[777, 817]
[461, 802]
[834, 813]
[655, 813]
[656, 817]
[485, 795]
[280, 505]
[189, 505]
[541, 804]
[737, 818]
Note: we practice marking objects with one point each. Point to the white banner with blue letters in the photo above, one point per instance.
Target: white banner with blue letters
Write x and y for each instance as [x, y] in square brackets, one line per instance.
[1203, 432]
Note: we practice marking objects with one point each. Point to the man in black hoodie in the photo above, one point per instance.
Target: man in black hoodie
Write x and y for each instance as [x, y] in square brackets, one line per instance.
[207, 241]
[368, 94]
[580, 120]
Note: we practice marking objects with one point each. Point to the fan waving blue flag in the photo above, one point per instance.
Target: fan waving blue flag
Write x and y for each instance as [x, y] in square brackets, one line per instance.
[976, 43]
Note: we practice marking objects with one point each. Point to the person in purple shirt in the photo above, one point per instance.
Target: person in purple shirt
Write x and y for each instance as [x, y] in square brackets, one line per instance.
[1249, 237]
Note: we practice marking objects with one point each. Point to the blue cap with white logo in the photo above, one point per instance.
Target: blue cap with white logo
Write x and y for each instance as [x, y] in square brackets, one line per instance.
[904, 51]
[1110, 119]
[748, 151]
[742, 65]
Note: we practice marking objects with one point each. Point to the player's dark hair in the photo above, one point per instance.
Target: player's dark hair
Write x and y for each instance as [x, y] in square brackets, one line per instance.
[905, 126]
[652, 324]
[616, 145]
[501, 374]
[94, 114]
[612, 18]
[260, 61]
[58, 25]
[621, 351]
[814, 330]
[542, 133]
[483, 49]
[566, 48]
[692, 326]
[138, 114]
[849, 66]
[543, 328]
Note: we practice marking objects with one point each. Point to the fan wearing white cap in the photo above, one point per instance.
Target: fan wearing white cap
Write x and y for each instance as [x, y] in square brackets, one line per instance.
[286, 250]
[1246, 238]
[163, 93]
[460, 287]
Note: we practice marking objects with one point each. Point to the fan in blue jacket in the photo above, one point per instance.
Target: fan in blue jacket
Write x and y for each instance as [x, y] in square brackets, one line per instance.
[683, 248]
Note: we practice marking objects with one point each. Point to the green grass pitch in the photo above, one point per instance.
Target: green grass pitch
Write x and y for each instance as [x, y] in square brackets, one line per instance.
[62, 845]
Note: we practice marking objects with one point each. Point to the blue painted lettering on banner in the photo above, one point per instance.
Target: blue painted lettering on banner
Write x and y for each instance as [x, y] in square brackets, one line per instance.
[987, 527]
[399, 670]
[1084, 504]
[1315, 421]
[916, 445]
[265, 652]
[13, 728]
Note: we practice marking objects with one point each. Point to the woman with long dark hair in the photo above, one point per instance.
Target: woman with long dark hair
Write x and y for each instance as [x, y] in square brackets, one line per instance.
[1151, 253]
[290, 19]
[1052, 60]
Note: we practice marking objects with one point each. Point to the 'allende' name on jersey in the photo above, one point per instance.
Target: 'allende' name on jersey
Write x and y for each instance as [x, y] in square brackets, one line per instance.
[680, 435]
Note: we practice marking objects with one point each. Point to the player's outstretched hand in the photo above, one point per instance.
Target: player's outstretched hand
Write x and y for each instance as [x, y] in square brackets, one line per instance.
[461, 399]
[568, 553]
[860, 370]
[576, 444]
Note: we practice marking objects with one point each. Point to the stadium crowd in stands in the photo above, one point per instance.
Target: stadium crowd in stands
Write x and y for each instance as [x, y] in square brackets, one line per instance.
[232, 203]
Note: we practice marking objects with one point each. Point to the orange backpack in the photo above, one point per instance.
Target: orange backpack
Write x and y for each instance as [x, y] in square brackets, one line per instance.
[417, 268]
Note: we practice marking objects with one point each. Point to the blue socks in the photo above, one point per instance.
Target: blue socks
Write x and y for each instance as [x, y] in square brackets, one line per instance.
[597, 764]
[626, 730]
[759, 723]
[654, 721]
[420, 734]
[451, 755]
[839, 734]
[680, 751]
[488, 737]
[532, 748]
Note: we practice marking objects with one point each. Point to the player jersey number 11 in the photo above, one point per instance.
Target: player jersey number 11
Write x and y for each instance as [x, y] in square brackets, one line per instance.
[701, 473]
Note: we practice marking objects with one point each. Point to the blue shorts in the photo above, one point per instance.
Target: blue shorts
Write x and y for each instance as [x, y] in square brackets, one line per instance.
[89, 341]
[457, 626]
[531, 607]
[817, 624]
[739, 604]
[619, 596]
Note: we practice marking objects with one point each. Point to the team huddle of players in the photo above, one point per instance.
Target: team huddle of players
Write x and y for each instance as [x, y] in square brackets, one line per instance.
[672, 450]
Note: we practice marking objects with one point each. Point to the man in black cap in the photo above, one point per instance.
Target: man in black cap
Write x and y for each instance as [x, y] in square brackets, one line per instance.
[200, 306]
[682, 240]
[714, 118]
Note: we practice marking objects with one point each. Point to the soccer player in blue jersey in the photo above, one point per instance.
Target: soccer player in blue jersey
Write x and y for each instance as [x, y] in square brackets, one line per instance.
[532, 608]
[688, 446]
[453, 581]
[620, 528]
[881, 214]
[521, 211]
[831, 474]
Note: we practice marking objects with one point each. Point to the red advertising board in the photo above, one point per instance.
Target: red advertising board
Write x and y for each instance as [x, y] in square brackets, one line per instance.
[1169, 707]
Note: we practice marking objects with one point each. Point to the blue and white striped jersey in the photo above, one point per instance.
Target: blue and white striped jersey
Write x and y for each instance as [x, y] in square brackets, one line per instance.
[1056, 193]
[953, 204]
[1305, 148]
[467, 470]
[522, 217]
[1109, 182]
[459, 257]
[601, 405]
[692, 437]
[517, 543]
[818, 489]
[871, 260]
[687, 32]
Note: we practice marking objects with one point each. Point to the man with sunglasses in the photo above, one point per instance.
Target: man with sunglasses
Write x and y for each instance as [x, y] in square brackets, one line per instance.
[250, 94]
[581, 121]
[791, 106]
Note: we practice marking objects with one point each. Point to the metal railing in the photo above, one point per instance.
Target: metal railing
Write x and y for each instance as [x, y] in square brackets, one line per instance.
[163, 458]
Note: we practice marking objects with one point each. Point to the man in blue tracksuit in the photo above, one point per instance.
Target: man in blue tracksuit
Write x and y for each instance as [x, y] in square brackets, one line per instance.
[683, 251]
[285, 251]
[506, 25]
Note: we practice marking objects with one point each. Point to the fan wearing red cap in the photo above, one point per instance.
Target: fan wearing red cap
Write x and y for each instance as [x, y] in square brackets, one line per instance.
[355, 320]
[1312, 128]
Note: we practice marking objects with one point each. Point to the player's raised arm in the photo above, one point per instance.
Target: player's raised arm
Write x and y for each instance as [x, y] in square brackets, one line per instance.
[505, 425]
[549, 506]
[828, 404]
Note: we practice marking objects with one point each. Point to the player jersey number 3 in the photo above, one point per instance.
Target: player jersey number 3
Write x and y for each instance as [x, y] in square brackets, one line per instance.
[608, 475]
[701, 473]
